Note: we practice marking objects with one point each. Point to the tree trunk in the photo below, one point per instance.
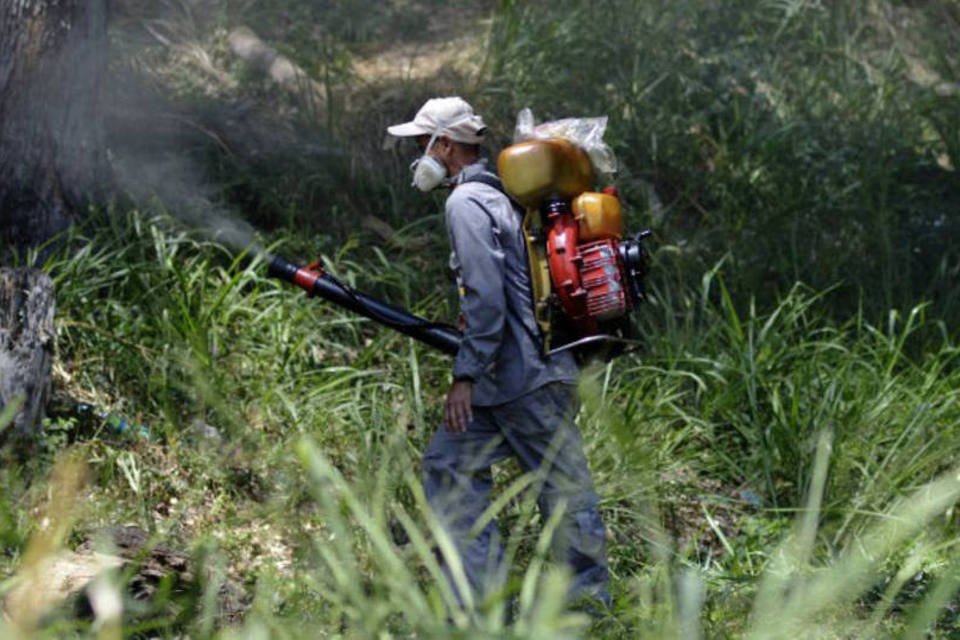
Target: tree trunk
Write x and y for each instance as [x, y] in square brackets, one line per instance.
[27, 335]
[52, 152]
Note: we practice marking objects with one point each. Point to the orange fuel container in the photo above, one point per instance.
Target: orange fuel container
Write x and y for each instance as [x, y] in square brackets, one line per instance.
[598, 216]
[537, 169]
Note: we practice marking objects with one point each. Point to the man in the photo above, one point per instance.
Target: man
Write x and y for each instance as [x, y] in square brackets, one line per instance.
[507, 398]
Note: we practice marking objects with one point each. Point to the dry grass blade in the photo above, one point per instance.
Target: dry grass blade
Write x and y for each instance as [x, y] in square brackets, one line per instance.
[37, 590]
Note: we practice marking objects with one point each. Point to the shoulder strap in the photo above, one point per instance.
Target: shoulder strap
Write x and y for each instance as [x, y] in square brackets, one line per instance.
[493, 180]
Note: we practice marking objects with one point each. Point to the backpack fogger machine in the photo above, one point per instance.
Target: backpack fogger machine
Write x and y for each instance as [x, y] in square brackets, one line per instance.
[585, 276]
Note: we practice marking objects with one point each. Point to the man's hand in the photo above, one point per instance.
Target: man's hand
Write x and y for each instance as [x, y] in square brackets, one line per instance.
[457, 413]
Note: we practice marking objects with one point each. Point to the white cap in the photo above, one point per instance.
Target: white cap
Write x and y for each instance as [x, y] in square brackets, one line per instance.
[452, 117]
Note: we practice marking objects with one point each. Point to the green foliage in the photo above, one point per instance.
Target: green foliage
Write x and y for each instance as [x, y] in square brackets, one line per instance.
[783, 377]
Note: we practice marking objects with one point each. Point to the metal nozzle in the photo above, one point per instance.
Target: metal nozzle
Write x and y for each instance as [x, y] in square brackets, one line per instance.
[281, 268]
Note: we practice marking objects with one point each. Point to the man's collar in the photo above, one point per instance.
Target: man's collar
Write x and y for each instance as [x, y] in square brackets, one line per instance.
[478, 167]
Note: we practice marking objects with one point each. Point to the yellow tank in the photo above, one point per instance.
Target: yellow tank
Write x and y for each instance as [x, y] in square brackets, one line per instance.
[598, 216]
[537, 169]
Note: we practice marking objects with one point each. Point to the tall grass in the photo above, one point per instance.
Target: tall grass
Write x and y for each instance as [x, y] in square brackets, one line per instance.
[780, 378]
[763, 474]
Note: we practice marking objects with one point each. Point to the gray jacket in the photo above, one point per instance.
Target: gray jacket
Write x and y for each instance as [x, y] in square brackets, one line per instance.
[501, 350]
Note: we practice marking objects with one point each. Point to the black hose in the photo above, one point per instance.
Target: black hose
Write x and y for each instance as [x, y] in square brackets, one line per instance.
[441, 336]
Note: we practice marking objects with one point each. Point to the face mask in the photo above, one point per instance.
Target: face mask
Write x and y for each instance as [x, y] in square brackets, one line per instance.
[428, 173]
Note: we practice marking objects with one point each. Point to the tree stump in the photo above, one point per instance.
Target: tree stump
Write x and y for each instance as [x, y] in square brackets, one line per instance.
[27, 303]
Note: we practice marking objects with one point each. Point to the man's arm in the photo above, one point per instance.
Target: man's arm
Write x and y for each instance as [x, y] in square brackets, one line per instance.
[482, 300]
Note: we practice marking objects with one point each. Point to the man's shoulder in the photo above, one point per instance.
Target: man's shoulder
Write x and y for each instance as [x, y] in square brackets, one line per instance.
[471, 195]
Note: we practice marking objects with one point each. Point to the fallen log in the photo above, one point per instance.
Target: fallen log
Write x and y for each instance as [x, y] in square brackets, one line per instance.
[163, 580]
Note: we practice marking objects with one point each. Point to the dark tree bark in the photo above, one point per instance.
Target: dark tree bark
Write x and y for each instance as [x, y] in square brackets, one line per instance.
[26, 348]
[52, 151]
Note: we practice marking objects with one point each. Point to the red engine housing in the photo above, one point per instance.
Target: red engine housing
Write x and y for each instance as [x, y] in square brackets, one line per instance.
[588, 278]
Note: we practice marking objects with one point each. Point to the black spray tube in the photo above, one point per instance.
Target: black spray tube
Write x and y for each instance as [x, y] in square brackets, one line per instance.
[439, 336]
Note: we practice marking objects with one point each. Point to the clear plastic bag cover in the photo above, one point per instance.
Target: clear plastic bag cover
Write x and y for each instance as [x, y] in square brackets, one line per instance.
[587, 133]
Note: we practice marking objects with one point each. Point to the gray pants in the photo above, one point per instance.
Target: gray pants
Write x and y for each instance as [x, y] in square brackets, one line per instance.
[538, 428]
